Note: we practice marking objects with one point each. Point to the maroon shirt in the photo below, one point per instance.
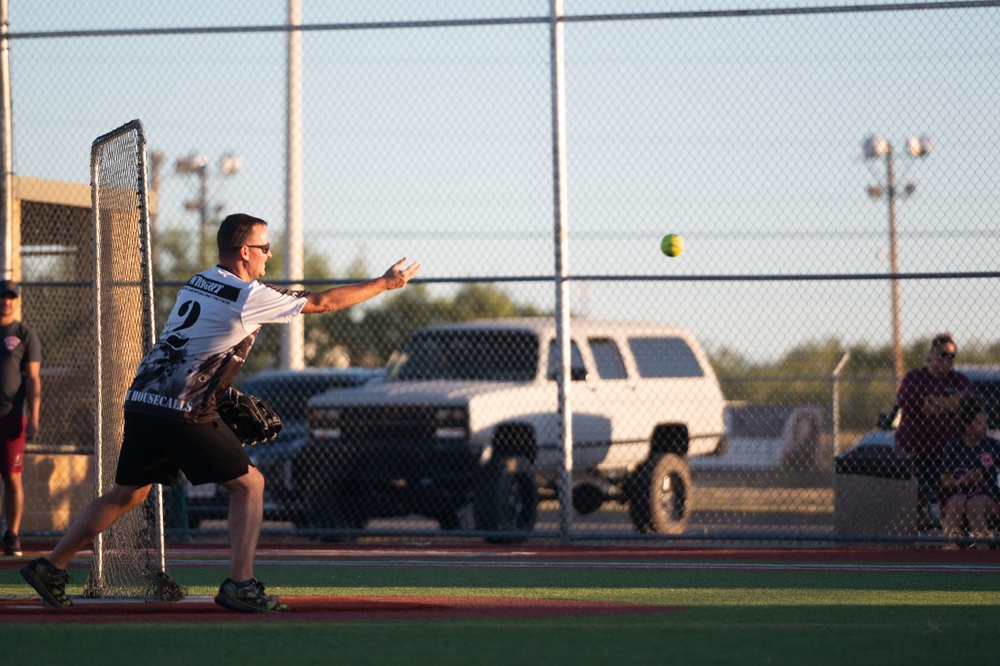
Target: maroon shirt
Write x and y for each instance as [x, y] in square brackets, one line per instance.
[927, 434]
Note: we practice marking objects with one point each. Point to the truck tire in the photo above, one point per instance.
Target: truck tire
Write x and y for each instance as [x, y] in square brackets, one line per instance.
[506, 499]
[660, 495]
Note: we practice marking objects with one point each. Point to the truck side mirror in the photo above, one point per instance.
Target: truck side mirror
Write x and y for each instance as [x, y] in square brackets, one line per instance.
[887, 420]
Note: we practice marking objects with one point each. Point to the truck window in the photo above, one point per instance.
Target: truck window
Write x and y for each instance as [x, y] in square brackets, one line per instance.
[577, 370]
[664, 357]
[608, 358]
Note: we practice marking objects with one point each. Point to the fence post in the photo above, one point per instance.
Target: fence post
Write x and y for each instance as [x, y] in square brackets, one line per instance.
[835, 402]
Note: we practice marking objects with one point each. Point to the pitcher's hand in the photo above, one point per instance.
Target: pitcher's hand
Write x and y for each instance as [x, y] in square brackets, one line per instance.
[397, 276]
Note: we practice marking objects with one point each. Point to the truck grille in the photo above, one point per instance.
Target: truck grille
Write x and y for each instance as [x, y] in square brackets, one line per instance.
[379, 443]
[410, 424]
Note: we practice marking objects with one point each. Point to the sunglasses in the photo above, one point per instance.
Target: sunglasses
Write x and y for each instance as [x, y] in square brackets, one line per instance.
[946, 355]
[265, 248]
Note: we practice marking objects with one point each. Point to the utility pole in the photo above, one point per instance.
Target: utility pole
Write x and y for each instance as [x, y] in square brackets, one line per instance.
[875, 147]
[197, 164]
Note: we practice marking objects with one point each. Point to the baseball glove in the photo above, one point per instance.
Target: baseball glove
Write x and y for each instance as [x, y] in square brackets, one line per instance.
[252, 419]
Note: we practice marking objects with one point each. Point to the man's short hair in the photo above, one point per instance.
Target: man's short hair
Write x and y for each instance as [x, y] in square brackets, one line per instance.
[236, 231]
[942, 339]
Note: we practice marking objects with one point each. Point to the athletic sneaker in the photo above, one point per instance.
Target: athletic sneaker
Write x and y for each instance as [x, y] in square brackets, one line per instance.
[249, 598]
[49, 583]
[11, 544]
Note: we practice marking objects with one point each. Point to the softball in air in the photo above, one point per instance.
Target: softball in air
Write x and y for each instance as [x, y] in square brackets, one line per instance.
[672, 245]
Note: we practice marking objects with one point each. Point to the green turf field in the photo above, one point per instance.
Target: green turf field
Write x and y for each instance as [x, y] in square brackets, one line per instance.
[751, 617]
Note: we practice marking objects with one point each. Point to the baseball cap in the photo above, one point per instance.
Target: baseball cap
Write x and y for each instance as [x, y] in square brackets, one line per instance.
[10, 287]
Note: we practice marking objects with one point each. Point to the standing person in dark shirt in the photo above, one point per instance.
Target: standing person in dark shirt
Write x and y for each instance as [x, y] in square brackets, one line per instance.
[20, 402]
[171, 421]
[929, 399]
[969, 467]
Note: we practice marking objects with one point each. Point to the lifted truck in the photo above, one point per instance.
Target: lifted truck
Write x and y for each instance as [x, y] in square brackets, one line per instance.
[466, 416]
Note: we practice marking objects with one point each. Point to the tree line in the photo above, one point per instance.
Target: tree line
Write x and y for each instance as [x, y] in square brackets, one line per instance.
[801, 376]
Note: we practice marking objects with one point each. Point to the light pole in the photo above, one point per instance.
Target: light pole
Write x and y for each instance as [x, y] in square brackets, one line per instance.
[197, 164]
[876, 147]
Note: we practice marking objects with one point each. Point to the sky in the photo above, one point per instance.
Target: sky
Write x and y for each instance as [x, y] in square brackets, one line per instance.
[742, 134]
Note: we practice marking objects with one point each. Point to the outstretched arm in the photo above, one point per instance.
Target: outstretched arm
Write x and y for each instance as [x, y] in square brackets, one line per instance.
[338, 298]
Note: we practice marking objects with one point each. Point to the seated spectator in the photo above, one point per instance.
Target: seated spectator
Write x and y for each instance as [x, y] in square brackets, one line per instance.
[969, 467]
[929, 399]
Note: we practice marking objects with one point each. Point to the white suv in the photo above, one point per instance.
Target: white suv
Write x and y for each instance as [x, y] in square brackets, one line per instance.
[467, 415]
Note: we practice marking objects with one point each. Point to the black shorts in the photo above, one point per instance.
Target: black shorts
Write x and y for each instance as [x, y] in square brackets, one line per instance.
[155, 448]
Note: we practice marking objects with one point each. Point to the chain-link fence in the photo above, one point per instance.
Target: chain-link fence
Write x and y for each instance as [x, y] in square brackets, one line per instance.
[832, 170]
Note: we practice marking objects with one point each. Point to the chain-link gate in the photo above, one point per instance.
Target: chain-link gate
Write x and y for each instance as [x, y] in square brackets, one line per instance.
[832, 171]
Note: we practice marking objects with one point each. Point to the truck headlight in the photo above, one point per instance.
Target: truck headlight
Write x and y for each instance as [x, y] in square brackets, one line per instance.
[451, 423]
[324, 423]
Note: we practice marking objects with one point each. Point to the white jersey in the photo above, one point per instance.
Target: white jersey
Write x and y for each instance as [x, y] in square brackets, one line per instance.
[205, 342]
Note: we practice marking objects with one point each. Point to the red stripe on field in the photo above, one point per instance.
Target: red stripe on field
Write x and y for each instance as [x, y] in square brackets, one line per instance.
[178, 553]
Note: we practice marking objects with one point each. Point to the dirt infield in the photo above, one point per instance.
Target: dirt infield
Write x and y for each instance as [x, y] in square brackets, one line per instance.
[317, 609]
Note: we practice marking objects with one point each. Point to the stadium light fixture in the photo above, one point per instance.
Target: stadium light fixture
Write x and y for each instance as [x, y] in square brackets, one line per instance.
[197, 164]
